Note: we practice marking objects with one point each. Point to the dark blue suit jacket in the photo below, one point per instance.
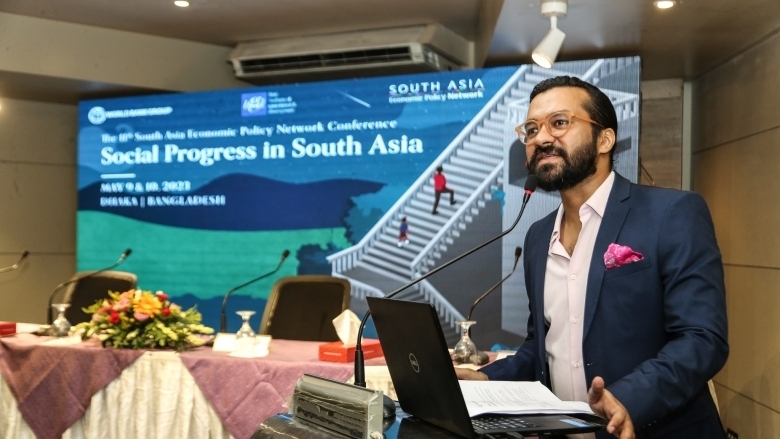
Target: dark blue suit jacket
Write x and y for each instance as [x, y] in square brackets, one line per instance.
[655, 329]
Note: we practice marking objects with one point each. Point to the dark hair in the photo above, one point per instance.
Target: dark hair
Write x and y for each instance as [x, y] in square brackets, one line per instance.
[598, 106]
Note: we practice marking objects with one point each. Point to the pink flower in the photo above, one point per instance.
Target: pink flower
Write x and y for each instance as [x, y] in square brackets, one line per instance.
[141, 317]
[122, 304]
[620, 255]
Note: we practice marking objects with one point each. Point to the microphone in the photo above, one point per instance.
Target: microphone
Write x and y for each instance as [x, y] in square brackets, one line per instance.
[64, 284]
[223, 317]
[16, 265]
[360, 374]
[518, 252]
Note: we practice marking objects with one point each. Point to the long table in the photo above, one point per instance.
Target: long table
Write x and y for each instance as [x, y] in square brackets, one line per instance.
[52, 390]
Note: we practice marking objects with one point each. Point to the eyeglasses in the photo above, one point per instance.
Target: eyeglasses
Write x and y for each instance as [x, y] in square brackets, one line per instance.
[557, 123]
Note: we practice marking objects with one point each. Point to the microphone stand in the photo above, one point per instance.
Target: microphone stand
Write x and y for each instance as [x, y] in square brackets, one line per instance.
[518, 252]
[360, 371]
[16, 265]
[60, 286]
[223, 317]
[482, 357]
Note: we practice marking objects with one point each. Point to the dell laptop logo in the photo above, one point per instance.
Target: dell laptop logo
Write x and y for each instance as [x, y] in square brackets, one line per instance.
[415, 364]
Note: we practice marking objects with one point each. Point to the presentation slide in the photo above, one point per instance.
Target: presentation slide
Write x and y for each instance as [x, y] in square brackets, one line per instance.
[210, 188]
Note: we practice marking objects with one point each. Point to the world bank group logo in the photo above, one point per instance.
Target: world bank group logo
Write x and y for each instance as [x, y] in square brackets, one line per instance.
[97, 115]
[254, 104]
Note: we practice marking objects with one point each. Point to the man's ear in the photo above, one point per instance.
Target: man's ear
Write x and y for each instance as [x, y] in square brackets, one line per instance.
[606, 140]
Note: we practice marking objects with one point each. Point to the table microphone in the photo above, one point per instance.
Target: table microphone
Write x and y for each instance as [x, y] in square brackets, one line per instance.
[16, 265]
[223, 318]
[60, 286]
[518, 252]
[360, 370]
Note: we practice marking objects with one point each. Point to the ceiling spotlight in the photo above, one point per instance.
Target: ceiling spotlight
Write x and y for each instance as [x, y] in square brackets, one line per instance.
[664, 4]
[181, 3]
[547, 50]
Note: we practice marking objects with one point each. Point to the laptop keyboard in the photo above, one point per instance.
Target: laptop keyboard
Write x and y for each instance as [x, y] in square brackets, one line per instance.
[493, 423]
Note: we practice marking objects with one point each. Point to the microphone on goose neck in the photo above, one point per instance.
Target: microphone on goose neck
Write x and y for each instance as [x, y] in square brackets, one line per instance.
[482, 357]
[223, 316]
[360, 374]
[518, 252]
[16, 265]
[60, 286]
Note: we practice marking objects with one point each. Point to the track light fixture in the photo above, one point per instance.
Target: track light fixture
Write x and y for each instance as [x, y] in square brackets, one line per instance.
[547, 50]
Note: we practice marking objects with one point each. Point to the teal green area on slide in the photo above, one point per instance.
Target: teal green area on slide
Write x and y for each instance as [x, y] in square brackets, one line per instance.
[204, 263]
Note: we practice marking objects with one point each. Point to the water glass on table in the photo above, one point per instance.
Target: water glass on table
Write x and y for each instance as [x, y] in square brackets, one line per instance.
[245, 337]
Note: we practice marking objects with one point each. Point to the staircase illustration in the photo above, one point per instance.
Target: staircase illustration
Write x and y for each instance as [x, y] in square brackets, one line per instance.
[474, 167]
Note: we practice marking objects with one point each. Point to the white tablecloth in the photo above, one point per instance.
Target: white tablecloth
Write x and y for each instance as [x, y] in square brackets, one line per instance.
[129, 407]
[155, 397]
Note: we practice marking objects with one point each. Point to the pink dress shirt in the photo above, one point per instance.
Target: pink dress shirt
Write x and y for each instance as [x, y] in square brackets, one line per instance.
[565, 284]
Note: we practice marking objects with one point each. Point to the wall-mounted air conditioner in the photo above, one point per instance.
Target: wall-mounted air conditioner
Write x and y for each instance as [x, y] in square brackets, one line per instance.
[411, 49]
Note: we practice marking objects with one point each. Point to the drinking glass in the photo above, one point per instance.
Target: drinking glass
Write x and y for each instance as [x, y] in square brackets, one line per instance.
[61, 326]
[465, 351]
[245, 337]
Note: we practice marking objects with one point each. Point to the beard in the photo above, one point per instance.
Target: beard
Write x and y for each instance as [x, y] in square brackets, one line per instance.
[576, 167]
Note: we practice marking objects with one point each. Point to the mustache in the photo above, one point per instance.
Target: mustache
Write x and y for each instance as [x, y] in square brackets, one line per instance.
[547, 150]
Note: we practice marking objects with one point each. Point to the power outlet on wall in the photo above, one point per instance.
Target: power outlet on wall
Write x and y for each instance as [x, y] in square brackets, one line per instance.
[731, 434]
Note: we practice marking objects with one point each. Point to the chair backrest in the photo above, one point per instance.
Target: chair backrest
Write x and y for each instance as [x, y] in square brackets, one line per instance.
[87, 291]
[303, 307]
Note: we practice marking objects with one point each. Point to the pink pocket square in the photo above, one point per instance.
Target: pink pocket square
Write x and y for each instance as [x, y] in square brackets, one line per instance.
[620, 255]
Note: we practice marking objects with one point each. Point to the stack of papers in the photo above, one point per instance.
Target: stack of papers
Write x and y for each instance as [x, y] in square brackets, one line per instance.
[515, 398]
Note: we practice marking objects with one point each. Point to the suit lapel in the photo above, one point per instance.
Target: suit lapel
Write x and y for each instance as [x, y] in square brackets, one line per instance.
[540, 265]
[538, 270]
[614, 216]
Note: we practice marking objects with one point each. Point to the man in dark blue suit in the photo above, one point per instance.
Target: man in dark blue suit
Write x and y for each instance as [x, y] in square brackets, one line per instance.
[625, 282]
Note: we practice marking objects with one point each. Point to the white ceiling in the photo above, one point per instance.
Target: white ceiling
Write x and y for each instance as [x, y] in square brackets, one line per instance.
[685, 41]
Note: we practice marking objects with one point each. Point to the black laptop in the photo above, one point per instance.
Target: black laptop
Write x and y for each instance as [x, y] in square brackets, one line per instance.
[425, 382]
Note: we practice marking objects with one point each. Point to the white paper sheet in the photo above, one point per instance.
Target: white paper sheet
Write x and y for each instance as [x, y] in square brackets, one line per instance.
[515, 398]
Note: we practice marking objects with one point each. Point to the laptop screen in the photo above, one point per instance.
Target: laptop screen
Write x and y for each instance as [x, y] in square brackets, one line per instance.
[425, 381]
[419, 363]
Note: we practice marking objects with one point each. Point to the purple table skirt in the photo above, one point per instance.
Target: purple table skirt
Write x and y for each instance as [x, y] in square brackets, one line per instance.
[245, 392]
[58, 381]
[61, 380]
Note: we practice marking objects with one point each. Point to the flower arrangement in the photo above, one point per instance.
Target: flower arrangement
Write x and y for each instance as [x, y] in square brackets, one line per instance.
[141, 319]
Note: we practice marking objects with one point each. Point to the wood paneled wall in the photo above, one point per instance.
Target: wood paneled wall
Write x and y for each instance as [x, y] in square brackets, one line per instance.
[660, 138]
[37, 204]
[736, 166]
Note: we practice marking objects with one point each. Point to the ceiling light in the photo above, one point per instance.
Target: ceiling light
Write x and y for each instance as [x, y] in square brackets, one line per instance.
[547, 50]
[181, 3]
[664, 4]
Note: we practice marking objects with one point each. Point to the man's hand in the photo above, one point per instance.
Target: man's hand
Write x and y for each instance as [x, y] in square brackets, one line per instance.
[604, 404]
[469, 374]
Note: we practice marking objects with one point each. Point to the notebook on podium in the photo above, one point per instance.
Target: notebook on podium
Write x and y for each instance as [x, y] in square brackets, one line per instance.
[426, 384]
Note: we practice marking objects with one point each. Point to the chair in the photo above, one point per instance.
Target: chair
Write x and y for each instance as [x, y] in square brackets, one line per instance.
[303, 307]
[87, 291]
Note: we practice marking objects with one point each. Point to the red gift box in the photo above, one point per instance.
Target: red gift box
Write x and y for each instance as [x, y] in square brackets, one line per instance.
[7, 328]
[345, 353]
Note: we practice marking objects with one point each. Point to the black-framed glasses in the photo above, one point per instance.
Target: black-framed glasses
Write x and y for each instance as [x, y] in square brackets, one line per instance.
[558, 124]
